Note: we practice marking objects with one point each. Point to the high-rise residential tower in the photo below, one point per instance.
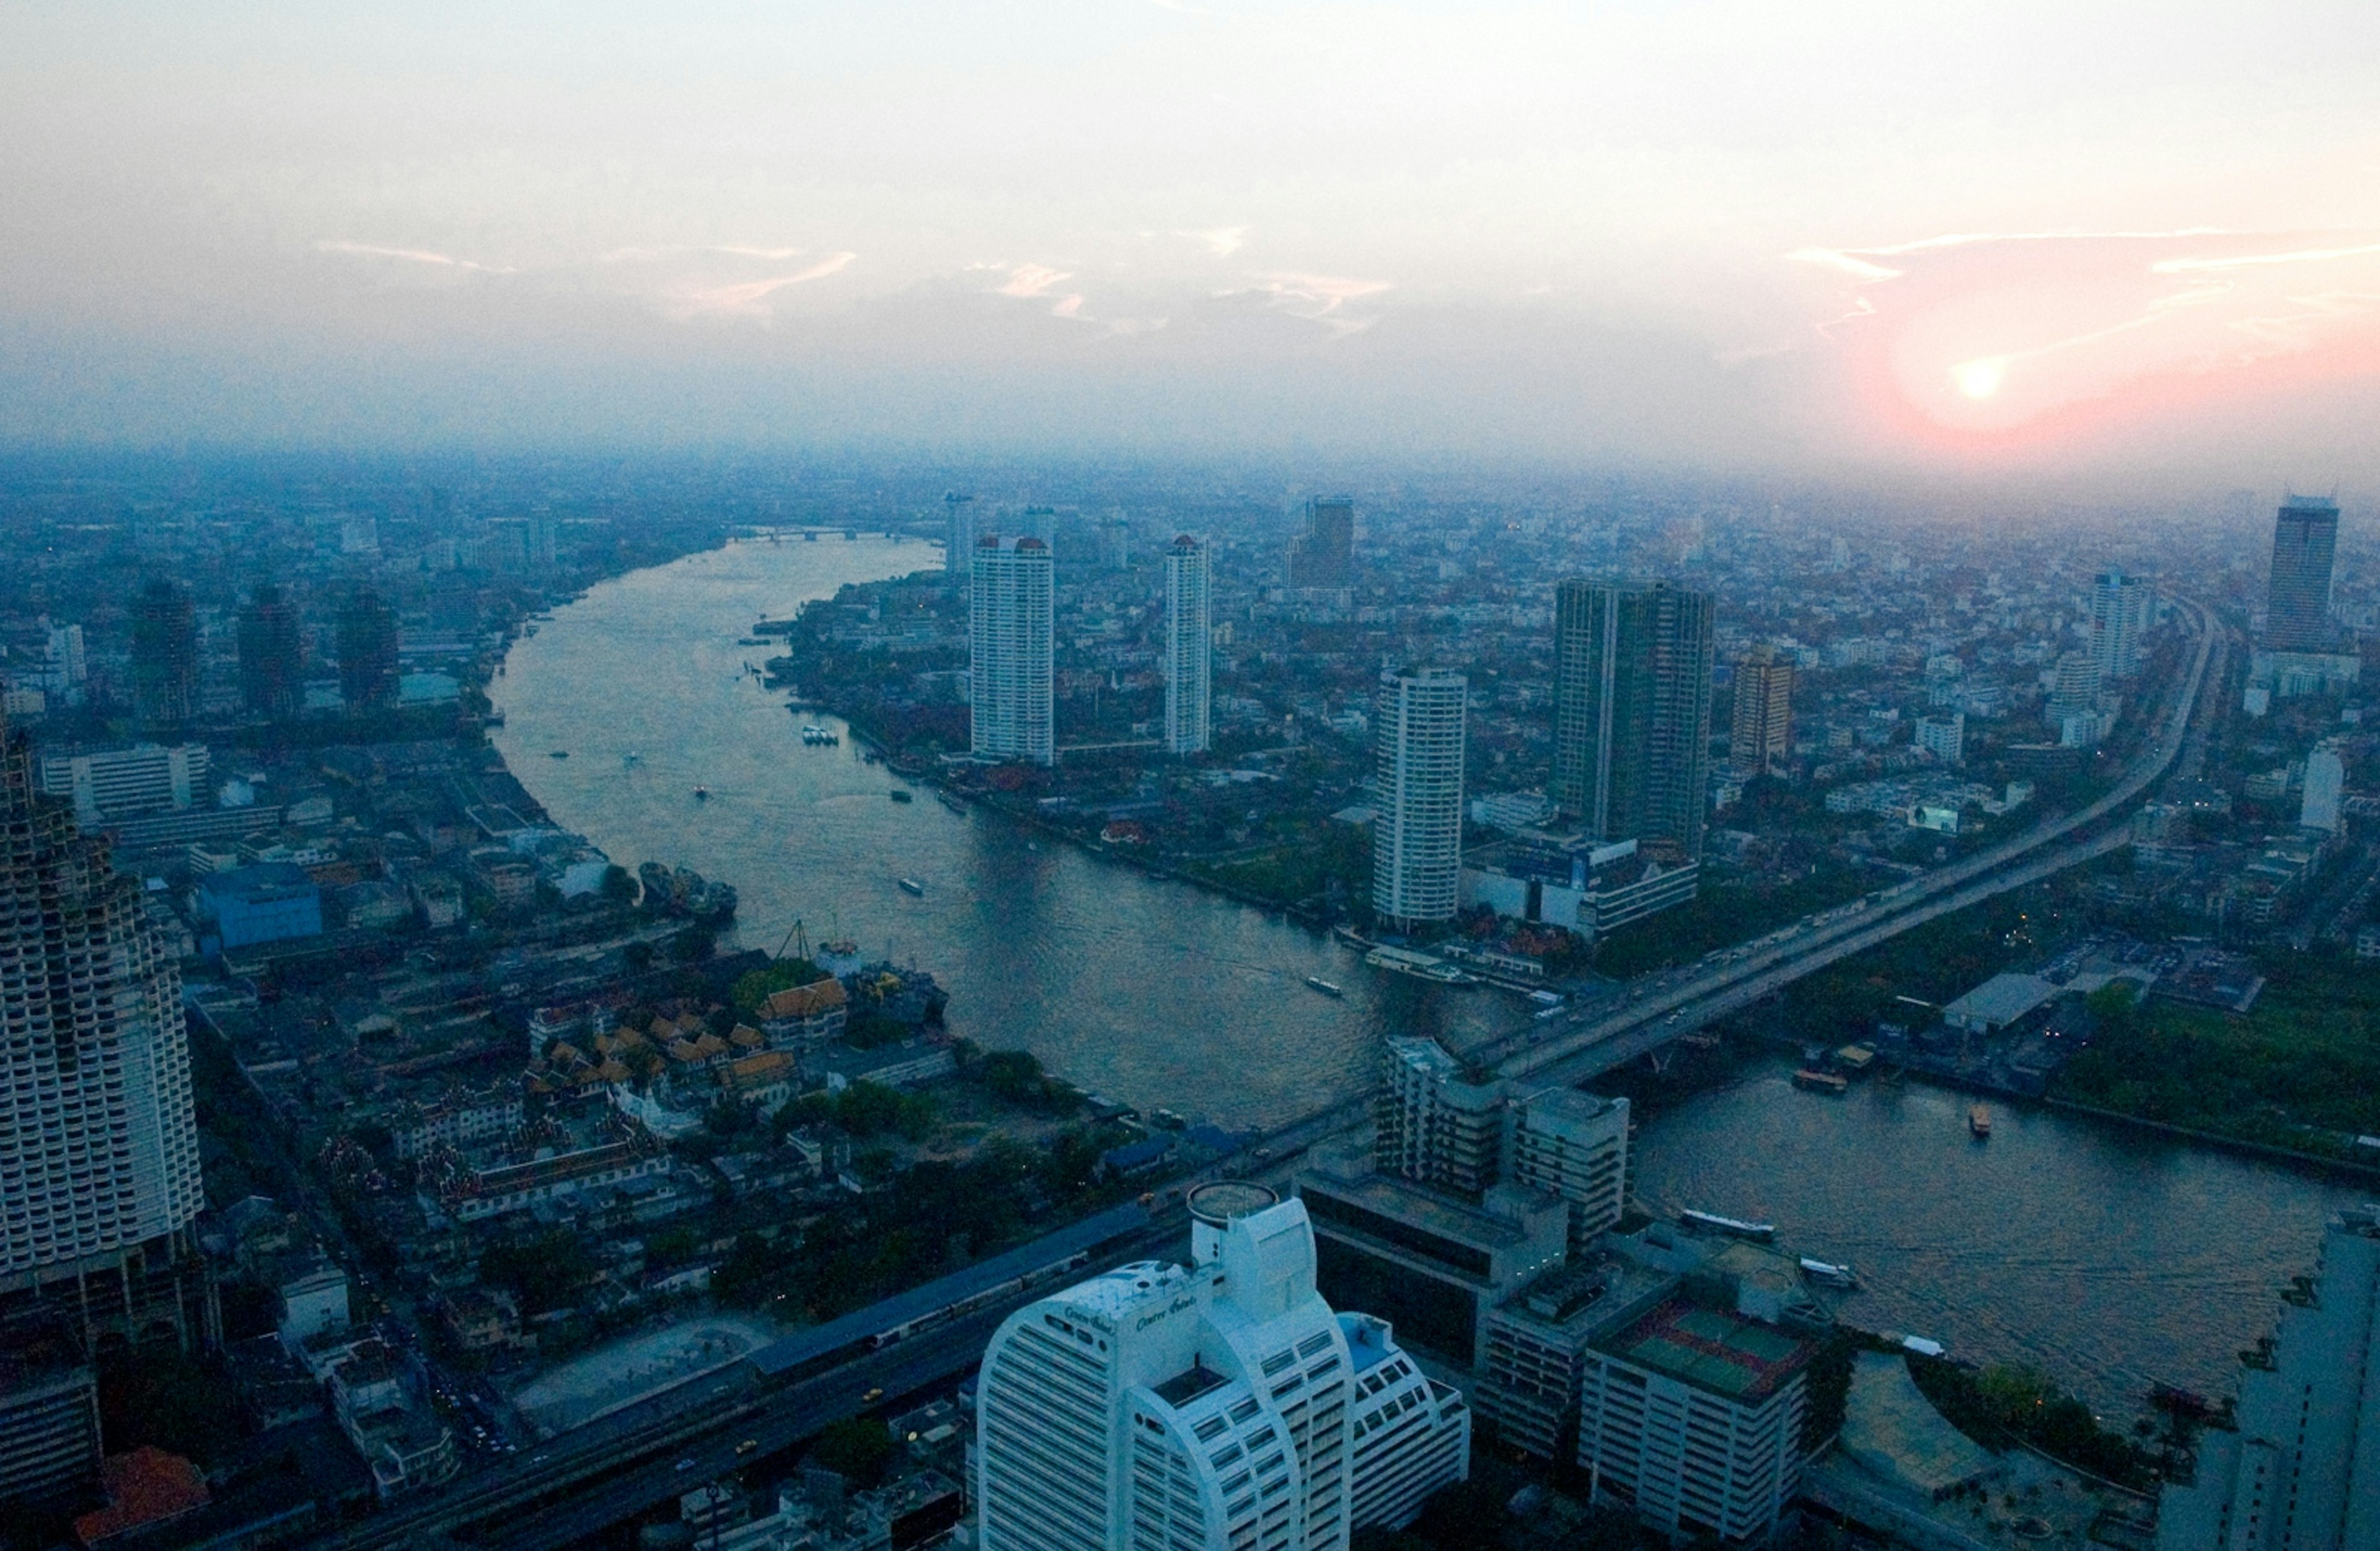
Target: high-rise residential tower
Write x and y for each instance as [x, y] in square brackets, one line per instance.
[1220, 1406]
[1418, 725]
[1761, 740]
[99, 1146]
[2305, 539]
[958, 533]
[165, 654]
[1188, 626]
[2119, 621]
[368, 651]
[1324, 555]
[1010, 686]
[271, 655]
[1632, 710]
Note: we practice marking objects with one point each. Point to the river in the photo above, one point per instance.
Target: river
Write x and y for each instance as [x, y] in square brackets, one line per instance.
[2112, 1260]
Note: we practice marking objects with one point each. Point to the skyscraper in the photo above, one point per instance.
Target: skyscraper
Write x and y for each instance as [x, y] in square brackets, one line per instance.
[1324, 555]
[958, 533]
[2120, 619]
[2305, 538]
[99, 1147]
[1188, 623]
[1009, 651]
[2326, 783]
[1222, 1406]
[271, 655]
[1632, 710]
[1761, 739]
[1417, 836]
[2299, 1468]
[368, 643]
[165, 654]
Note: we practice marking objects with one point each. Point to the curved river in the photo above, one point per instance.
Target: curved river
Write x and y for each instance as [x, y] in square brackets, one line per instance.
[2111, 1260]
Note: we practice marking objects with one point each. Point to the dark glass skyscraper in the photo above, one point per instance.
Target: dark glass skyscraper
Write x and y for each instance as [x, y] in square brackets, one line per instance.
[367, 651]
[271, 655]
[164, 655]
[1324, 555]
[2305, 538]
[1632, 710]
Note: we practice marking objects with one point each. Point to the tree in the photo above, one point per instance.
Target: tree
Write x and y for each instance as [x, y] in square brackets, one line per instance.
[855, 1448]
[618, 886]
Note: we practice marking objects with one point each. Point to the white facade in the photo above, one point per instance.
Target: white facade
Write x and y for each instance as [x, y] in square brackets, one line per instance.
[1188, 650]
[99, 1147]
[1412, 1435]
[1009, 649]
[2326, 781]
[1417, 836]
[2300, 1470]
[144, 778]
[1944, 738]
[2120, 621]
[958, 515]
[1199, 1408]
[1573, 1145]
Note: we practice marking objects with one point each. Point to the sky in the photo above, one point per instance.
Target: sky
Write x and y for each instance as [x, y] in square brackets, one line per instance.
[2114, 241]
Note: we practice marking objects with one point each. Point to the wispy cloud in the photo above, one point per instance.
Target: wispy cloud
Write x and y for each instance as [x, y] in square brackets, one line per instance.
[743, 297]
[1990, 331]
[1321, 298]
[1031, 280]
[406, 255]
[1222, 241]
[653, 255]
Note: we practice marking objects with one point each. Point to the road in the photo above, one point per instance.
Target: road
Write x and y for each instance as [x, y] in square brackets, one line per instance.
[1658, 1009]
[702, 1424]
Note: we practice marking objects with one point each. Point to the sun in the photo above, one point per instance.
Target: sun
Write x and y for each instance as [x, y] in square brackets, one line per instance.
[1979, 379]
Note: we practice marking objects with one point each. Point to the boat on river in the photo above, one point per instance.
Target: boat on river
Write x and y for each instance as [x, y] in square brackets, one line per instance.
[949, 802]
[1979, 1121]
[1831, 1275]
[903, 794]
[1814, 1081]
[1325, 986]
[911, 886]
[702, 793]
[1734, 1227]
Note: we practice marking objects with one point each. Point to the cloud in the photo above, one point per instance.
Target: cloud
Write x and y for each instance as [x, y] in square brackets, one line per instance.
[653, 255]
[408, 255]
[1319, 298]
[1222, 241]
[1031, 280]
[743, 297]
[1995, 333]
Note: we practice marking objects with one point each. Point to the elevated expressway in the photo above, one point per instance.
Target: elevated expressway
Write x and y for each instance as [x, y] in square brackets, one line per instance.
[1658, 1009]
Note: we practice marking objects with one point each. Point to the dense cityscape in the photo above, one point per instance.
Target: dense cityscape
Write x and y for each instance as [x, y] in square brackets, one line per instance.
[388, 1161]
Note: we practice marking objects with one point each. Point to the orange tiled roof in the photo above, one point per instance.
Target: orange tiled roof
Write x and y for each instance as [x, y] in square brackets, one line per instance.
[145, 1486]
[803, 1001]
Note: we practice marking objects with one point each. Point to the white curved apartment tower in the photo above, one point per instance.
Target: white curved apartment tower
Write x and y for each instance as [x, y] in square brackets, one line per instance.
[1417, 836]
[1188, 631]
[1008, 650]
[1209, 1407]
[99, 1148]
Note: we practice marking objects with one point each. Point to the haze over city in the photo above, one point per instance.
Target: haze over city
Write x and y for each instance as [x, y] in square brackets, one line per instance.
[1190, 775]
[2125, 241]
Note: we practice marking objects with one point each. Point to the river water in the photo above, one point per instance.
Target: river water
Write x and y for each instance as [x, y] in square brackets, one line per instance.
[2111, 1260]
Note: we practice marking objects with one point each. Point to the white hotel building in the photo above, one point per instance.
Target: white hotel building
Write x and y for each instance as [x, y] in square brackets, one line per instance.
[1218, 1406]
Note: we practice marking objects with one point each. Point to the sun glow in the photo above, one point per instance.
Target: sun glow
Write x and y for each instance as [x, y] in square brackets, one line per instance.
[1979, 379]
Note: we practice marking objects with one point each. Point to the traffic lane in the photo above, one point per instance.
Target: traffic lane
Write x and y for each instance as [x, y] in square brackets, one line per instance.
[911, 1365]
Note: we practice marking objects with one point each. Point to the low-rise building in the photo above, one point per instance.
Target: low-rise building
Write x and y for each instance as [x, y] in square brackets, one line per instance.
[799, 1017]
[268, 902]
[1589, 888]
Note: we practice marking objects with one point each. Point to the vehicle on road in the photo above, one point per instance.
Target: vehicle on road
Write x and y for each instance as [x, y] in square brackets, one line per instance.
[685, 1464]
[747, 1446]
[872, 1397]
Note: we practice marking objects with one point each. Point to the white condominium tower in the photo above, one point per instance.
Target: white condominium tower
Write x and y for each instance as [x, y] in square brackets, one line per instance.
[2120, 619]
[99, 1147]
[1218, 1406]
[1188, 625]
[1417, 836]
[1008, 650]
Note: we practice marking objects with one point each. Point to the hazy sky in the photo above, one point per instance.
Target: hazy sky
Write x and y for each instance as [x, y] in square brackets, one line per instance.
[1973, 236]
